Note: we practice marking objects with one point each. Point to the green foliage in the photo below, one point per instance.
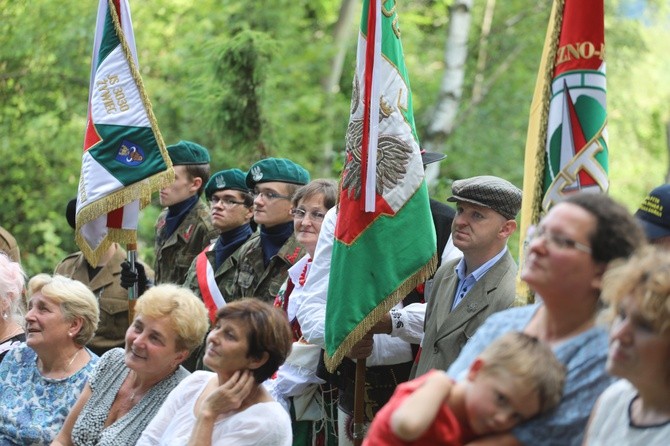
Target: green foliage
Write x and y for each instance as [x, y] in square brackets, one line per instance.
[245, 80]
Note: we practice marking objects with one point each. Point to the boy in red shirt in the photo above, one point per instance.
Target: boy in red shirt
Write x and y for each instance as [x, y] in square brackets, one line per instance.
[514, 379]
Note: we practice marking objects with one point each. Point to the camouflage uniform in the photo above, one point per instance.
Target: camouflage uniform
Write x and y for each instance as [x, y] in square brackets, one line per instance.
[112, 297]
[8, 245]
[175, 254]
[224, 276]
[253, 279]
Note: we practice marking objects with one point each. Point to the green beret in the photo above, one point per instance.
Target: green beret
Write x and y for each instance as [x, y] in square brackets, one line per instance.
[226, 179]
[276, 169]
[187, 152]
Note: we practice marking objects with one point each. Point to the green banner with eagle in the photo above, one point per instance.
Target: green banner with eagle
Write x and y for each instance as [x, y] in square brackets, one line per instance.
[384, 236]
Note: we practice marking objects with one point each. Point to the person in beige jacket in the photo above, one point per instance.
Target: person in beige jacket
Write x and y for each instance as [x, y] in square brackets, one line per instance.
[105, 282]
[466, 291]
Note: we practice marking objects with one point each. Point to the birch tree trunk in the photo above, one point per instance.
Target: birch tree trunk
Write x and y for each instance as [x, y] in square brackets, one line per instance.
[451, 87]
[331, 84]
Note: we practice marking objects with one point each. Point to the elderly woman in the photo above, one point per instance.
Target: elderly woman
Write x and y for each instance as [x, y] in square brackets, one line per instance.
[229, 406]
[12, 281]
[636, 409]
[296, 385]
[41, 379]
[129, 386]
[566, 259]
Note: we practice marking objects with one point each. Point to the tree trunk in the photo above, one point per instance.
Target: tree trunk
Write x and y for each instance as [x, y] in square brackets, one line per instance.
[451, 89]
[331, 84]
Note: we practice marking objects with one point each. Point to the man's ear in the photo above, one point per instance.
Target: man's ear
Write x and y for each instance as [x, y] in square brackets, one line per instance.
[197, 182]
[507, 229]
[475, 368]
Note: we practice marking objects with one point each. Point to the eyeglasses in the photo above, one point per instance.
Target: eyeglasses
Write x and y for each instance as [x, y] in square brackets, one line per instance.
[299, 214]
[225, 202]
[270, 196]
[558, 241]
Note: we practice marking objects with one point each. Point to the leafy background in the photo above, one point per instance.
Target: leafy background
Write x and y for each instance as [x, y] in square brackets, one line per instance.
[246, 79]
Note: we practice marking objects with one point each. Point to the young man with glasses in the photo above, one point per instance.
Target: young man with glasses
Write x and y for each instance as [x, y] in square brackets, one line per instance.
[231, 209]
[466, 291]
[212, 273]
[265, 260]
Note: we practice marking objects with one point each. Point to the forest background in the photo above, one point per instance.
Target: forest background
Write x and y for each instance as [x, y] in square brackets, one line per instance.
[251, 79]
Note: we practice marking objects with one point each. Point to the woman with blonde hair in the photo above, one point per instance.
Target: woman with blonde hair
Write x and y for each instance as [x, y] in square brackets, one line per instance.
[12, 281]
[636, 409]
[129, 386]
[229, 406]
[41, 379]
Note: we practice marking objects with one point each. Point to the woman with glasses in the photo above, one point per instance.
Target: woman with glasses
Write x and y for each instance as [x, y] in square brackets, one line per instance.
[636, 409]
[296, 386]
[565, 262]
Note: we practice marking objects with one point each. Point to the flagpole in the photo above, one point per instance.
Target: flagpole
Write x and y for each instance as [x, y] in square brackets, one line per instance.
[359, 403]
[131, 252]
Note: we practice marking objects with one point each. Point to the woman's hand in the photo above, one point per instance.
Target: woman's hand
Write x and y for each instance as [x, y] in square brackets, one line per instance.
[225, 398]
[230, 395]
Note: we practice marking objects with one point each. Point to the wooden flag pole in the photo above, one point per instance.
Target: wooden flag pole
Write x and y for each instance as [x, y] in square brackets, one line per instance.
[131, 252]
[359, 403]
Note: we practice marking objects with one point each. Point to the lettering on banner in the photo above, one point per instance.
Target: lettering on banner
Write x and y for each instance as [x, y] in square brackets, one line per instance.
[579, 50]
[113, 97]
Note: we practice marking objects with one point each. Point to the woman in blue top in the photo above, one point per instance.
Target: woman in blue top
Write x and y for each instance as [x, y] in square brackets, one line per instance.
[41, 379]
[567, 256]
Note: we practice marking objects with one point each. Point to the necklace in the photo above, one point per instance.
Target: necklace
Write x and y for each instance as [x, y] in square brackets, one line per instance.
[67, 367]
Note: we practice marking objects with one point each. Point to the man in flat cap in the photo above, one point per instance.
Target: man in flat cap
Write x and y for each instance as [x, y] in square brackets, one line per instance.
[265, 260]
[654, 216]
[467, 290]
[183, 229]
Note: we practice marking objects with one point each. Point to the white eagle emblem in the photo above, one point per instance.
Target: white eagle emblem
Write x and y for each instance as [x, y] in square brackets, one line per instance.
[256, 174]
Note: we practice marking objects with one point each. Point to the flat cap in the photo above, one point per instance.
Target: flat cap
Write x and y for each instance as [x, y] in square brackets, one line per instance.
[226, 179]
[488, 191]
[654, 213]
[188, 152]
[276, 169]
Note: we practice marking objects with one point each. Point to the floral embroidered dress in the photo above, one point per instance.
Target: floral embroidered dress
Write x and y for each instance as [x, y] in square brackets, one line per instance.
[34, 407]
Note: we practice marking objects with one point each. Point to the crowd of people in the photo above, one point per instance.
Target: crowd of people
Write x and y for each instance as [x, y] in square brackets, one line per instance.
[225, 343]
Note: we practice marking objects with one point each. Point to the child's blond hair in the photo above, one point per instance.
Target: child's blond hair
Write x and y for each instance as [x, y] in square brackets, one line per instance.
[529, 360]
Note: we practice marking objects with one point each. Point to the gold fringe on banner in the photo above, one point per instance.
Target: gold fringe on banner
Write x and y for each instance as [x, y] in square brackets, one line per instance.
[140, 190]
[363, 327]
[536, 143]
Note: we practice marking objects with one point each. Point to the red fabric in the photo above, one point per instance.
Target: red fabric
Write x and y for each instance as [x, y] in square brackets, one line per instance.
[445, 430]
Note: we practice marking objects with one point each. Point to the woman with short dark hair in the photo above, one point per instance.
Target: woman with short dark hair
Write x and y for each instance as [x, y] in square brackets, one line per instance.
[229, 406]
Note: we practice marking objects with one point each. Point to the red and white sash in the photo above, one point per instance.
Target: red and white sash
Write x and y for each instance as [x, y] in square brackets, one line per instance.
[209, 290]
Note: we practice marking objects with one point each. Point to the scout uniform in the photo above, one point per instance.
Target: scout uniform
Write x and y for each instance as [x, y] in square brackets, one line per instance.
[204, 265]
[176, 251]
[112, 297]
[253, 278]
